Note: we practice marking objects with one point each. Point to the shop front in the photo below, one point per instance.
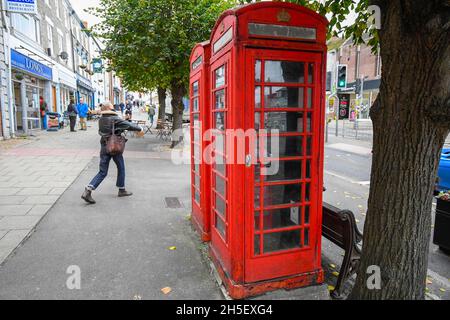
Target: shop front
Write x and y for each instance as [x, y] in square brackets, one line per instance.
[30, 81]
[67, 88]
[85, 91]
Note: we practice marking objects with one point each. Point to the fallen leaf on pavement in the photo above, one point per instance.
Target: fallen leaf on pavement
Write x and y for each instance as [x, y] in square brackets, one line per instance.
[332, 266]
[166, 290]
[336, 274]
[173, 248]
[331, 288]
[429, 281]
[442, 290]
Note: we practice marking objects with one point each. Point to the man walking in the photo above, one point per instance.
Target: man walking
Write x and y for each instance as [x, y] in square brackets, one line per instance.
[83, 111]
[73, 114]
[108, 120]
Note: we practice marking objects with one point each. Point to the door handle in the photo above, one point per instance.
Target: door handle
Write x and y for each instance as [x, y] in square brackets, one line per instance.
[248, 161]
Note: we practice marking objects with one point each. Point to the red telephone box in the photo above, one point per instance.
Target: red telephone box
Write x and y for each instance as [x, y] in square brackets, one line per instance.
[267, 71]
[200, 123]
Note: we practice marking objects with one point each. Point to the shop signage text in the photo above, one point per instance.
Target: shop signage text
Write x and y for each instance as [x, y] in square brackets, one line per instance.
[22, 6]
[22, 62]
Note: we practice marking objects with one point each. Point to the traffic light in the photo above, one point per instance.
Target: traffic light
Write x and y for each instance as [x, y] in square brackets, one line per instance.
[342, 77]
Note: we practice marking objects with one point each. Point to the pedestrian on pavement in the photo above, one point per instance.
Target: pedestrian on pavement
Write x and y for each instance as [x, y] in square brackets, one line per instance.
[73, 114]
[151, 114]
[129, 111]
[83, 111]
[43, 110]
[122, 107]
[109, 119]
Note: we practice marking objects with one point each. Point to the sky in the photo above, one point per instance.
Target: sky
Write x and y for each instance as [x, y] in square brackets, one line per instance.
[80, 5]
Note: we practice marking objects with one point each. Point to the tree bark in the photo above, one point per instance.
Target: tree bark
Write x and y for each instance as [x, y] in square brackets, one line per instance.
[178, 92]
[162, 105]
[411, 118]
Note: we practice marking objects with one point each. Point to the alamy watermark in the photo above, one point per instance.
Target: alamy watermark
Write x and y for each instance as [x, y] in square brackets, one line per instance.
[74, 280]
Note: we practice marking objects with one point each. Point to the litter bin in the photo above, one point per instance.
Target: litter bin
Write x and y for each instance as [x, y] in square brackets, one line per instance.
[53, 123]
[442, 226]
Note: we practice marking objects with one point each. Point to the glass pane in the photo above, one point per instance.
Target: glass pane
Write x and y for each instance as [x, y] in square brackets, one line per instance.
[308, 193]
[257, 220]
[308, 169]
[196, 116]
[220, 226]
[284, 71]
[196, 166]
[196, 105]
[307, 215]
[220, 121]
[310, 98]
[282, 218]
[197, 197]
[219, 145]
[197, 181]
[307, 238]
[195, 89]
[257, 198]
[220, 77]
[310, 72]
[309, 146]
[196, 135]
[258, 71]
[309, 121]
[221, 186]
[258, 97]
[257, 121]
[257, 245]
[283, 97]
[275, 242]
[220, 99]
[220, 206]
[284, 121]
[257, 173]
[281, 195]
[288, 170]
[287, 146]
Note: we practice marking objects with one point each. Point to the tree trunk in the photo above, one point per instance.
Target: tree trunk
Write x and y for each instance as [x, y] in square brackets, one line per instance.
[178, 92]
[162, 105]
[411, 118]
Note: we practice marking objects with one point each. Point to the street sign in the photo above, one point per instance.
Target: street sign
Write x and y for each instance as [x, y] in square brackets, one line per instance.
[344, 106]
[22, 6]
[97, 65]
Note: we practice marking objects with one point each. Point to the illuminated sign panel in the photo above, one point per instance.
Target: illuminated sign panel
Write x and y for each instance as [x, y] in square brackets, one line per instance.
[277, 31]
[227, 36]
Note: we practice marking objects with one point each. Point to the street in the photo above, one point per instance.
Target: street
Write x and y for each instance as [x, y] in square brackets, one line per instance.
[133, 248]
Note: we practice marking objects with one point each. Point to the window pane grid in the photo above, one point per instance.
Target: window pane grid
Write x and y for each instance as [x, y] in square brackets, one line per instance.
[294, 95]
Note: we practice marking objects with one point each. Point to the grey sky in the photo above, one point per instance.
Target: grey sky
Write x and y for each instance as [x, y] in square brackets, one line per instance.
[80, 5]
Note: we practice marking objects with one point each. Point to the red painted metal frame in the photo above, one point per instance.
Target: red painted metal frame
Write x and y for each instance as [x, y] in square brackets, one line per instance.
[201, 211]
[243, 273]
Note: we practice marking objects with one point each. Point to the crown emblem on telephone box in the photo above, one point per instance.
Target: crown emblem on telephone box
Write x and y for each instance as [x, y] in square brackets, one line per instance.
[283, 16]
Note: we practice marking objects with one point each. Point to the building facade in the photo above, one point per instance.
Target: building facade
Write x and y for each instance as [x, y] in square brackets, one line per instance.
[47, 60]
[363, 74]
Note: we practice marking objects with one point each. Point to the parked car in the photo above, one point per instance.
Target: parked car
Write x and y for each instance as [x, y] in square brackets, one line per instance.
[444, 171]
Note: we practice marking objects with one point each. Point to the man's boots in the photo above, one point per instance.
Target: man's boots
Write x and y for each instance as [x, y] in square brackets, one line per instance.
[124, 193]
[87, 196]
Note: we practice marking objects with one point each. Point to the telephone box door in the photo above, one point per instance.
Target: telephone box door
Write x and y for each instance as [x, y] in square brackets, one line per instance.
[284, 183]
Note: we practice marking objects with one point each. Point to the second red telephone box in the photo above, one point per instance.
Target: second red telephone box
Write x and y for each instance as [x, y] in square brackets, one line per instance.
[200, 123]
[267, 72]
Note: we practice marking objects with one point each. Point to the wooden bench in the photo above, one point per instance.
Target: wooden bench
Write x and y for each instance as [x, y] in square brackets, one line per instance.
[339, 226]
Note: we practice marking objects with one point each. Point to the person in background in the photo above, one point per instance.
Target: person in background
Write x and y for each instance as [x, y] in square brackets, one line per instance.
[83, 111]
[108, 119]
[122, 107]
[129, 111]
[43, 110]
[151, 114]
[73, 114]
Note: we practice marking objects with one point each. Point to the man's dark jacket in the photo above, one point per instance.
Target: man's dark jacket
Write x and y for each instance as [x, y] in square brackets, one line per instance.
[106, 125]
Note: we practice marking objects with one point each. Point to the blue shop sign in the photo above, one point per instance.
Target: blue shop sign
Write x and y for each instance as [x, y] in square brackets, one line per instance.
[26, 64]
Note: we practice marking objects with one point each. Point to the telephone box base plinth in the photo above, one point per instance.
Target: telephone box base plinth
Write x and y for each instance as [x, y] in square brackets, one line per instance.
[205, 236]
[247, 290]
